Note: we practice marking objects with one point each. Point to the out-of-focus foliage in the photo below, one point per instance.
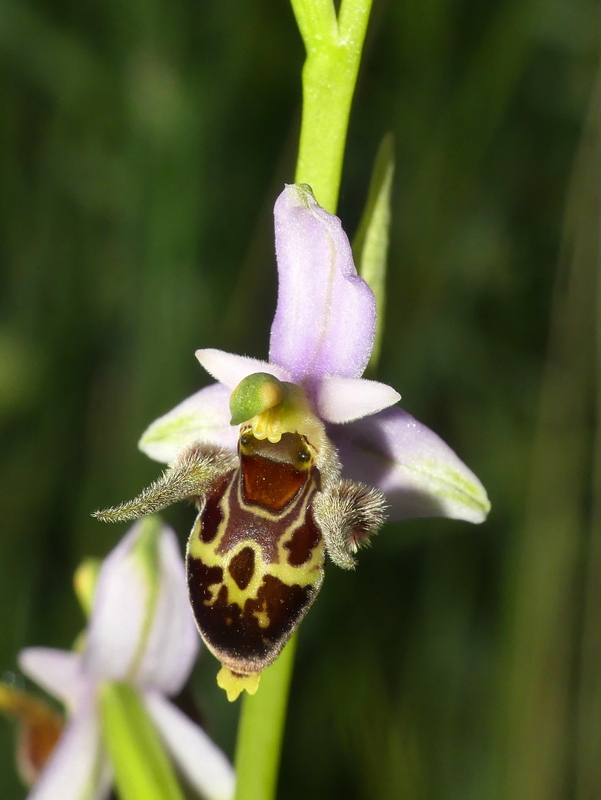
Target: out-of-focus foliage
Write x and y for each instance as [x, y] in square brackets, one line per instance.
[141, 148]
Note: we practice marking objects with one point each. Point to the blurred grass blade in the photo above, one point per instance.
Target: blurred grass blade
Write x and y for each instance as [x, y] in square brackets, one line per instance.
[142, 769]
[589, 684]
[548, 560]
[54, 57]
[370, 246]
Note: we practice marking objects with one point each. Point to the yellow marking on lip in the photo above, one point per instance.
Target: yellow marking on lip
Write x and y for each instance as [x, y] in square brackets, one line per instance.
[308, 574]
[262, 616]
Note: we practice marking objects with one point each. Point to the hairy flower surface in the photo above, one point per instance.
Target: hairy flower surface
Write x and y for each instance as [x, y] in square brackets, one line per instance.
[140, 631]
[321, 340]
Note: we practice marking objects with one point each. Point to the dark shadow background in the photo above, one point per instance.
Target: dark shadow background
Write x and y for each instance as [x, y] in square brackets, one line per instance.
[142, 145]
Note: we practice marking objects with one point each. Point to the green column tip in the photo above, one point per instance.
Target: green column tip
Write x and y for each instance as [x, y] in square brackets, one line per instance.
[255, 394]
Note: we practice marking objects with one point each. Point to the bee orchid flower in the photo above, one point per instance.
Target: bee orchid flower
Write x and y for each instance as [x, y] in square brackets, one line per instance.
[140, 632]
[293, 457]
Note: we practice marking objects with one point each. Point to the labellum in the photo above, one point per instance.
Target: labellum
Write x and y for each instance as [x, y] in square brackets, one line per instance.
[267, 516]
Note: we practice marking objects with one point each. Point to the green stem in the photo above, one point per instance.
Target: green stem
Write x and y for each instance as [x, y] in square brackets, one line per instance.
[329, 78]
[142, 767]
[261, 730]
[334, 46]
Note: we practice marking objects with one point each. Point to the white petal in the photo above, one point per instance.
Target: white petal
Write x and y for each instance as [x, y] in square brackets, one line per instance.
[419, 474]
[173, 640]
[59, 672]
[230, 369]
[119, 611]
[201, 761]
[345, 399]
[203, 417]
[77, 769]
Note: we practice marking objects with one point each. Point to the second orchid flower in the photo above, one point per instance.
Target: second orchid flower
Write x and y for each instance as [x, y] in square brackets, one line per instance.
[141, 644]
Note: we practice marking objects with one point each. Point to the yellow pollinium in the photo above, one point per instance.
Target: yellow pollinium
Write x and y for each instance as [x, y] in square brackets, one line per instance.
[233, 684]
[270, 407]
[270, 425]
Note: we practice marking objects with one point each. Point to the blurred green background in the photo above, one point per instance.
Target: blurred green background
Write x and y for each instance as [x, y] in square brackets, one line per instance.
[142, 145]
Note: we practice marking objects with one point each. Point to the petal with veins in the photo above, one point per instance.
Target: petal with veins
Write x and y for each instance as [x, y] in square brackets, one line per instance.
[230, 369]
[203, 417]
[77, 769]
[57, 671]
[202, 762]
[345, 399]
[325, 319]
[173, 640]
[419, 474]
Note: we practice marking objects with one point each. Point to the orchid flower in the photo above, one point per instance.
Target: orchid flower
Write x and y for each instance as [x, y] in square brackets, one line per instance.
[321, 454]
[321, 339]
[141, 632]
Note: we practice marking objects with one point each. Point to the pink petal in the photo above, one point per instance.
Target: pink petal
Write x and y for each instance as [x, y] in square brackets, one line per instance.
[59, 672]
[346, 399]
[173, 640]
[119, 611]
[326, 314]
[230, 369]
[419, 474]
[77, 769]
[201, 761]
[203, 417]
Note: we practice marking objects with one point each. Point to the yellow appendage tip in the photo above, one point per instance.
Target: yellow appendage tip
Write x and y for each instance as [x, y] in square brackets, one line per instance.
[234, 685]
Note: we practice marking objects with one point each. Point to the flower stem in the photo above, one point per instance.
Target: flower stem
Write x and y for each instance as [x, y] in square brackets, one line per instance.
[261, 730]
[333, 44]
[142, 767]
